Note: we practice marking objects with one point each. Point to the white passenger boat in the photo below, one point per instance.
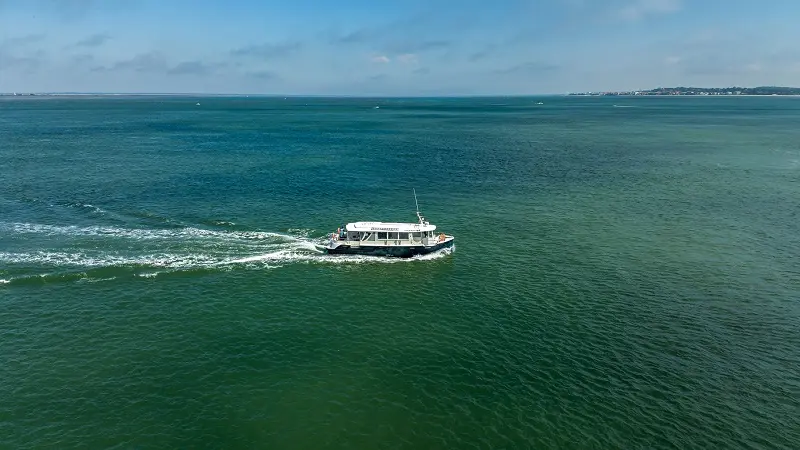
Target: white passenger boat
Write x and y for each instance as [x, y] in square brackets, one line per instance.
[388, 238]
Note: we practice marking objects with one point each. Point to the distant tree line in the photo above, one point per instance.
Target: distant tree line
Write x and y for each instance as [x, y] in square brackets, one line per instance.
[682, 90]
[761, 90]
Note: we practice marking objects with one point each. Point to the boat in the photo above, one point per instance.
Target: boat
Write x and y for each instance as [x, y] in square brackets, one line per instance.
[402, 240]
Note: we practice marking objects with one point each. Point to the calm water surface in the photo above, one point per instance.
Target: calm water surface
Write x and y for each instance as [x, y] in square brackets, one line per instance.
[626, 273]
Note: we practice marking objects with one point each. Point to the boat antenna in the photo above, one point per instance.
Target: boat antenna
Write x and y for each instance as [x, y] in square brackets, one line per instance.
[421, 219]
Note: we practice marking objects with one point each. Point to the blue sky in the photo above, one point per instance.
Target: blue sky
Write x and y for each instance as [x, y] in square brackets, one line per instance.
[395, 47]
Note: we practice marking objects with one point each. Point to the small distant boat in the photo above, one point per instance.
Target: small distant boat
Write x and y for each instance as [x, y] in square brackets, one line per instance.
[198, 104]
[388, 239]
[540, 103]
[377, 107]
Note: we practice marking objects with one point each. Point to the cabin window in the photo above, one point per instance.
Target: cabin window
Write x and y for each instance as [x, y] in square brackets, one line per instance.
[416, 236]
[381, 236]
[393, 236]
[404, 236]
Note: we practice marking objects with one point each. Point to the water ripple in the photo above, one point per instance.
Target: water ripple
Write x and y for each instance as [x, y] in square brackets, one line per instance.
[625, 277]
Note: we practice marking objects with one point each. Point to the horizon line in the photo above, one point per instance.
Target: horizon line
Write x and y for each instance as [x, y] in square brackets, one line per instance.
[220, 94]
[193, 94]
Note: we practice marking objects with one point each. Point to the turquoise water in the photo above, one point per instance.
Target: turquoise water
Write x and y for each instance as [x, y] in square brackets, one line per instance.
[625, 273]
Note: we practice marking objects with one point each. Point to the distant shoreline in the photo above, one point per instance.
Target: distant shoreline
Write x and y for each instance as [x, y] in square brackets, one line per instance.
[681, 95]
[683, 91]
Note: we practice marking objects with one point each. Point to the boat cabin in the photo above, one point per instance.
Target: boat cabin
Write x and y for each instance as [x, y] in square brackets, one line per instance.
[388, 234]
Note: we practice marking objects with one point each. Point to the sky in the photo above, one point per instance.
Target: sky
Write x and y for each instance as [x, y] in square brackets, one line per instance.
[395, 47]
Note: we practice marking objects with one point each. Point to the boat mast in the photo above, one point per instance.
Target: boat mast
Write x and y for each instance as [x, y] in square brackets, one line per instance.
[421, 219]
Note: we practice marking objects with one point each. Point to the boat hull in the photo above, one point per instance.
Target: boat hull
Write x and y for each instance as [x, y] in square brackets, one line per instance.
[392, 251]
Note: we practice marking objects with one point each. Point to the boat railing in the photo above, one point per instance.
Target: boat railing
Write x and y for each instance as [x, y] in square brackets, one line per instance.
[391, 242]
[412, 240]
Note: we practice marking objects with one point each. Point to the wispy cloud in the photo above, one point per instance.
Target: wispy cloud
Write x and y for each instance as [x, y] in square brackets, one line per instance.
[380, 59]
[268, 50]
[356, 37]
[483, 53]
[94, 40]
[390, 39]
[20, 41]
[26, 63]
[702, 64]
[529, 68]
[29, 62]
[143, 62]
[83, 58]
[154, 62]
[194, 68]
[373, 34]
[707, 53]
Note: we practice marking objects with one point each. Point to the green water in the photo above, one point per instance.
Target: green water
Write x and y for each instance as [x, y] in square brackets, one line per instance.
[625, 273]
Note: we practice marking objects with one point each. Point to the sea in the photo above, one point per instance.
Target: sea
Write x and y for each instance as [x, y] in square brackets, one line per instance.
[626, 273]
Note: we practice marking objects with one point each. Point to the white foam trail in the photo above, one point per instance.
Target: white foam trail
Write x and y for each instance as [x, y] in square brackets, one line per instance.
[173, 263]
[187, 248]
[4, 281]
[79, 259]
[138, 233]
[266, 257]
[300, 232]
[289, 255]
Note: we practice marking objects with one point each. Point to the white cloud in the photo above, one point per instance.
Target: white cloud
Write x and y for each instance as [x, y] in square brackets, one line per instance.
[639, 9]
[672, 60]
[381, 59]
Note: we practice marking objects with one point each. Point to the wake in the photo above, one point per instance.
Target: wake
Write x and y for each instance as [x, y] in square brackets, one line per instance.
[150, 252]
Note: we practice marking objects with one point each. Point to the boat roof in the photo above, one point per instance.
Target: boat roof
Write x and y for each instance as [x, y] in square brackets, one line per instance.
[390, 226]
